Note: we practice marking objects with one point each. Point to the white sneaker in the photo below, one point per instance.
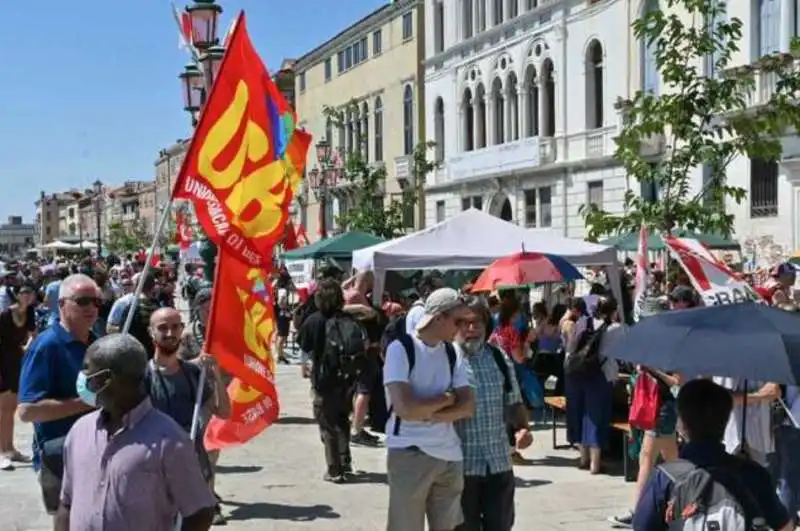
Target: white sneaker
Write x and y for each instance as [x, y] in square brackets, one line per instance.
[5, 463]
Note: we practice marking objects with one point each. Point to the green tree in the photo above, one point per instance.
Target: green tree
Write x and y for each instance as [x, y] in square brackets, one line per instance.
[122, 239]
[705, 120]
[368, 212]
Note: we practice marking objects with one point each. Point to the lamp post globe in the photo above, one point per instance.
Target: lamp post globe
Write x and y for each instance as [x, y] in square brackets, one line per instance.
[323, 151]
[193, 88]
[211, 60]
[204, 15]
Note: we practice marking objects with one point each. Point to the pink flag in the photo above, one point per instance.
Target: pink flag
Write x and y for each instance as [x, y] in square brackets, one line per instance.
[184, 23]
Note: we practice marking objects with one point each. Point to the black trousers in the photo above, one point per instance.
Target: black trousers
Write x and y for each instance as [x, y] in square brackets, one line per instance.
[332, 412]
[488, 502]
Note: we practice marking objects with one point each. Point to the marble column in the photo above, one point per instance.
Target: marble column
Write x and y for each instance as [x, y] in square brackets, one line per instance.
[787, 24]
[477, 123]
[490, 103]
[508, 120]
[543, 114]
[522, 111]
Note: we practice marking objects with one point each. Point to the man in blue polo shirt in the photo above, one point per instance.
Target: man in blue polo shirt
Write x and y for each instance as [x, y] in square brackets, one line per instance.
[703, 411]
[47, 392]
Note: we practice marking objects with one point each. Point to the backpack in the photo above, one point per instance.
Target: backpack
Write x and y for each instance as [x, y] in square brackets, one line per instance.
[699, 502]
[344, 356]
[585, 361]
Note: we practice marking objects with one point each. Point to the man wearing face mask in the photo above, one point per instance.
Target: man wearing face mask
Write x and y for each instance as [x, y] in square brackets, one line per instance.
[144, 458]
[488, 496]
[172, 383]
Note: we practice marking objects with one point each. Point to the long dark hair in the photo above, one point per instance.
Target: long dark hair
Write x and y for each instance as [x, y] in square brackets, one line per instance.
[329, 297]
[509, 306]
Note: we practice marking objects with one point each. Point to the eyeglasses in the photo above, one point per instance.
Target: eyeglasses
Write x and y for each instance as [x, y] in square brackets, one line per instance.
[86, 300]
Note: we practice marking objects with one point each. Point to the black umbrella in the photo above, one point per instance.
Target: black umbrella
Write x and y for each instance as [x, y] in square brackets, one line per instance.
[746, 341]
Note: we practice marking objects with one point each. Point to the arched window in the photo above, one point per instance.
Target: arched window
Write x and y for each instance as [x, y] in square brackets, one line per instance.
[497, 12]
[512, 9]
[480, 117]
[649, 68]
[499, 114]
[769, 29]
[408, 120]
[548, 127]
[438, 26]
[467, 19]
[468, 115]
[513, 107]
[365, 131]
[438, 126]
[594, 86]
[378, 151]
[532, 86]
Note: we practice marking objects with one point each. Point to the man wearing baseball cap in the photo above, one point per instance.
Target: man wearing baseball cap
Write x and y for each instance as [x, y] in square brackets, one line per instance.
[429, 388]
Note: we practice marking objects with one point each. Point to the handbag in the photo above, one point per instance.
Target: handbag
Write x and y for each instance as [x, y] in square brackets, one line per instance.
[645, 403]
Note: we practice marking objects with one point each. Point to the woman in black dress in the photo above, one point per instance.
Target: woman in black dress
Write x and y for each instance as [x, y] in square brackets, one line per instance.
[17, 327]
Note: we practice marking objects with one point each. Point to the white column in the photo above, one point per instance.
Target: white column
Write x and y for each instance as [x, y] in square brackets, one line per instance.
[542, 105]
[477, 123]
[507, 120]
[787, 23]
[522, 110]
[490, 125]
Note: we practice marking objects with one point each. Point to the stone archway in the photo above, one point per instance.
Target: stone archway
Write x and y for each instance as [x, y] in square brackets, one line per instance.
[500, 207]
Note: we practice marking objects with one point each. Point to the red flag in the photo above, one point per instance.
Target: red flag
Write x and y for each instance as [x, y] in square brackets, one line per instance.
[290, 240]
[242, 322]
[239, 336]
[240, 189]
[183, 232]
[302, 235]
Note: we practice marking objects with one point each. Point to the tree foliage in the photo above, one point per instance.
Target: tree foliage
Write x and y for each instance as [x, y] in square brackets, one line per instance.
[705, 120]
[122, 239]
[367, 211]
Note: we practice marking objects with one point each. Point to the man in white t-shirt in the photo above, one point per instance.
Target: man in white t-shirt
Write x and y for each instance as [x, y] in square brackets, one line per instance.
[429, 283]
[428, 389]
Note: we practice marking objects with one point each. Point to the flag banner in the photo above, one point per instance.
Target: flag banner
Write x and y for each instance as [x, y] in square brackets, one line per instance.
[251, 413]
[242, 323]
[234, 172]
[714, 281]
[295, 158]
[642, 276]
[183, 232]
[185, 31]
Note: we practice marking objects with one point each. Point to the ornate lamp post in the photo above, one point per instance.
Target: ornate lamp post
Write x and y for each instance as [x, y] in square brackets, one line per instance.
[197, 83]
[322, 180]
[98, 209]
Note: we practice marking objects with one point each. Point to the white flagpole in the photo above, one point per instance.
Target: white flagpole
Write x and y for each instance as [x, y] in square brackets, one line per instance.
[147, 266]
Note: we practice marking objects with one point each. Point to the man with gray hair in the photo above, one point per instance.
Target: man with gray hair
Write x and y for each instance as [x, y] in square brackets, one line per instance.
[145, 458]
[47, 380]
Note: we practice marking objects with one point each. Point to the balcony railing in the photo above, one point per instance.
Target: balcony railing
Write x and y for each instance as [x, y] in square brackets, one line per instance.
[502, 158]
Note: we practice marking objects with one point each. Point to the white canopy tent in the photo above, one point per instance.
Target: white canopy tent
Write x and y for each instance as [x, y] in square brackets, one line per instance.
[472, 240]
[58, 245]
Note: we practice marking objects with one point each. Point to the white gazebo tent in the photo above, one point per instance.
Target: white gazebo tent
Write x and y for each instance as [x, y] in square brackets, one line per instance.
[58, 245]
[472, 240]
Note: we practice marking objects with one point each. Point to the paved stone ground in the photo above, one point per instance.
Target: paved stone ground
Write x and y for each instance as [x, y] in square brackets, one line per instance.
[274, 483]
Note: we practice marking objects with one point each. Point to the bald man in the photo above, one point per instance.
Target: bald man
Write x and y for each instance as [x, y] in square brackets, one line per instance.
[173, 382]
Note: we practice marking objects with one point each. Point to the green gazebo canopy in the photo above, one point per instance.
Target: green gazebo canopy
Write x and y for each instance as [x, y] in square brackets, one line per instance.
[340, 247]
[630, 242]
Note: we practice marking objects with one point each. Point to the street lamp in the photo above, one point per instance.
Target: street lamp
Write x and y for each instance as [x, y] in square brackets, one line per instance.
[322, 180]
[211, 60]
[194, 92]
[98, 197]
[204, 15]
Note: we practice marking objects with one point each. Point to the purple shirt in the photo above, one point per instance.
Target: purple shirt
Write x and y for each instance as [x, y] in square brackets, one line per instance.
[137, 478]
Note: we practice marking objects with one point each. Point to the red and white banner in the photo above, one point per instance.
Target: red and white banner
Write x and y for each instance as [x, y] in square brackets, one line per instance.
[714, 280]
[642, 275]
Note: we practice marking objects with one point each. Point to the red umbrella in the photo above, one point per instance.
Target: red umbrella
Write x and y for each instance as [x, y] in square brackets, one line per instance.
[522, 269]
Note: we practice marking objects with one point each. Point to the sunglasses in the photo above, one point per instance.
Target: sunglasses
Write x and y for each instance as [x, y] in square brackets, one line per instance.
[87, 300]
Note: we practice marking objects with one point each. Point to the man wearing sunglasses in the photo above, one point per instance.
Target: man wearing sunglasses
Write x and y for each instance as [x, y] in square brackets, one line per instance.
[47, 392]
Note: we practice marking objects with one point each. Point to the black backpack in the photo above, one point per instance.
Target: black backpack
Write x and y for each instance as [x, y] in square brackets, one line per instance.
[585, 362]
[344, 356]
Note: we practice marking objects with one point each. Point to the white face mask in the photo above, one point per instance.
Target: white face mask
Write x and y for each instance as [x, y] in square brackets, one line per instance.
[471, 346]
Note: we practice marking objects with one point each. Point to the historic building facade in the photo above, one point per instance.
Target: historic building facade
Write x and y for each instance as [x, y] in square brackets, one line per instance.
[376, 63]
[520, 103]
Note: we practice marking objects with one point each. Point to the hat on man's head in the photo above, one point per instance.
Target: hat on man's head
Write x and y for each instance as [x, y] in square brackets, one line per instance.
[683, 294]
[783, 269]
[438, 302]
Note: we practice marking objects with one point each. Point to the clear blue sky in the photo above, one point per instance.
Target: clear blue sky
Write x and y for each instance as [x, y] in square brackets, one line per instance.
[89, 88]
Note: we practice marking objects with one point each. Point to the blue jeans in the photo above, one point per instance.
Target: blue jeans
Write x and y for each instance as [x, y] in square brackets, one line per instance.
[787, 447]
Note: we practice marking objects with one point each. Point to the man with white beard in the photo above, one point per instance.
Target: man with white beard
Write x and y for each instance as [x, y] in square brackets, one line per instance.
[487, 500]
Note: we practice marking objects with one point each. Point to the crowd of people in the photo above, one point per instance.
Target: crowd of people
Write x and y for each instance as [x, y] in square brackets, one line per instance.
[445, 379]
[463, 374]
